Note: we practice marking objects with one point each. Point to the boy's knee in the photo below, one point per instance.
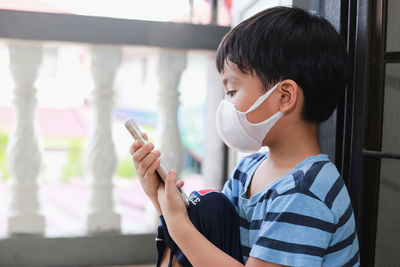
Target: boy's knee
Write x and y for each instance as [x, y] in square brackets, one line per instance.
[207, 199]
[209, 207]
[213, 214]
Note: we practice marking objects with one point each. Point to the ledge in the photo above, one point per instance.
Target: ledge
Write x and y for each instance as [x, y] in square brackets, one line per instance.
[100, 30]
[99, 250]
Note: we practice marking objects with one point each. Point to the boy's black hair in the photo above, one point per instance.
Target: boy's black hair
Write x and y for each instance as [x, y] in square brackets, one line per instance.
[291, 43]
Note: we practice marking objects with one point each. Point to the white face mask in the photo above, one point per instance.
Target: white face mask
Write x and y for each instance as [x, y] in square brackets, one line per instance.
[237, 132]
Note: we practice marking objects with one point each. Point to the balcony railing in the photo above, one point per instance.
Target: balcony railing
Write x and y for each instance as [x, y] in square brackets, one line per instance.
[24, 32]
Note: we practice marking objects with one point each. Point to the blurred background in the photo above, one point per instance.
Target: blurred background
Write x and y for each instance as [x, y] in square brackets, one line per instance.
[65, 94]
[72, 71]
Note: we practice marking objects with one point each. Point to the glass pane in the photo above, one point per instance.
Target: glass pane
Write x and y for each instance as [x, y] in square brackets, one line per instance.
[391, 110]
[393, 21]
[154, 10]
[388, 230]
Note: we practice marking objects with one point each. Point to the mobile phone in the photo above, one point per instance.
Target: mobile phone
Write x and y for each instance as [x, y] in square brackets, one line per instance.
[162, 170]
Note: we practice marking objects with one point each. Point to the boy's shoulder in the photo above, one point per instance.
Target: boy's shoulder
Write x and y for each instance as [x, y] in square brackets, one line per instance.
[316, 177]
[312, 173]
[315, 180]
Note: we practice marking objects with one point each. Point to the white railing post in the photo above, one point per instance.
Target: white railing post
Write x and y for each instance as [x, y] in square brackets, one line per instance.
[23, 151]
[101, 154]
[168, 141]
[170, 68]
[213, 161]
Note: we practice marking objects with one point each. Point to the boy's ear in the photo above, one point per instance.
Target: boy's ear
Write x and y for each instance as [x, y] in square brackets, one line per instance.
[289, 91]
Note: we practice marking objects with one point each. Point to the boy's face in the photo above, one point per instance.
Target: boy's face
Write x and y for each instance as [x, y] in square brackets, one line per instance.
[244, 89]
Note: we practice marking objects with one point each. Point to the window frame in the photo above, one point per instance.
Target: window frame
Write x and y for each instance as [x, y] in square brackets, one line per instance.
[359, 149]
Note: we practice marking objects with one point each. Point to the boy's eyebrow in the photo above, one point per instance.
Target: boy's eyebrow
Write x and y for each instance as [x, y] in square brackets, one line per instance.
[228, 78]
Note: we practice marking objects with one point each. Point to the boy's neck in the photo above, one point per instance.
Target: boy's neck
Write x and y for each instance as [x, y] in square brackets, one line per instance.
[295, 145]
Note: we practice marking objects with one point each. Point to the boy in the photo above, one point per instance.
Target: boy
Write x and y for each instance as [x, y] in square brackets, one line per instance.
[284, 71]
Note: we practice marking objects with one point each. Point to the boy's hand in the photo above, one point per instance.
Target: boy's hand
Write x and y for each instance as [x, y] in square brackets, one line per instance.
[172, 206]
[146, 162]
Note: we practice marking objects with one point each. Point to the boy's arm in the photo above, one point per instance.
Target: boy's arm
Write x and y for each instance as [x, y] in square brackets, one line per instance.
[202, 252]
[193, 244]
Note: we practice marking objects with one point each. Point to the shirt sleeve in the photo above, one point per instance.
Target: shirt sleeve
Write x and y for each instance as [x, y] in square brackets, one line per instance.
[295, 231]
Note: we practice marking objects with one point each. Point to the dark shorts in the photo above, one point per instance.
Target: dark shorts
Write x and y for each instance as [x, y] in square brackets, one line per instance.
[214, 216]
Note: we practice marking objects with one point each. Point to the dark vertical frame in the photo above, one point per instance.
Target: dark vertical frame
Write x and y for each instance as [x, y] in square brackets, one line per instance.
[356, 24]
[360, 117]
[373, 137]
[356, 28]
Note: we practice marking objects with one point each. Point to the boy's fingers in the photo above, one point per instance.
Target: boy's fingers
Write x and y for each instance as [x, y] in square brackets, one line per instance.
[148, 160]
[180, 184]
[153, 167]
[142, 152]
[135, 146]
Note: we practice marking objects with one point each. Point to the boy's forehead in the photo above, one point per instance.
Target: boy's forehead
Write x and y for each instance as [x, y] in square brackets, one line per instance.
[230, 67]
[230, 71]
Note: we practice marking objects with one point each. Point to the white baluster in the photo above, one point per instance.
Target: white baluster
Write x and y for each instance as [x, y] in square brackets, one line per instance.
[168, 141]
[23, 151]
[171, 66]
[213, 162]
[101, 154]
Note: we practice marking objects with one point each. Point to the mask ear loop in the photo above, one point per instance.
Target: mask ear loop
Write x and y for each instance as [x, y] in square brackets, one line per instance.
[261, 99]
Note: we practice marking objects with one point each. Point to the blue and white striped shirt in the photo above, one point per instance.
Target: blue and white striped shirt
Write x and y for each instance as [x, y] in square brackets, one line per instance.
[304, 218]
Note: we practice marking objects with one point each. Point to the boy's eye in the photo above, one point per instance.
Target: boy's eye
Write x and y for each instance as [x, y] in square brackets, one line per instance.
[230, 93]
